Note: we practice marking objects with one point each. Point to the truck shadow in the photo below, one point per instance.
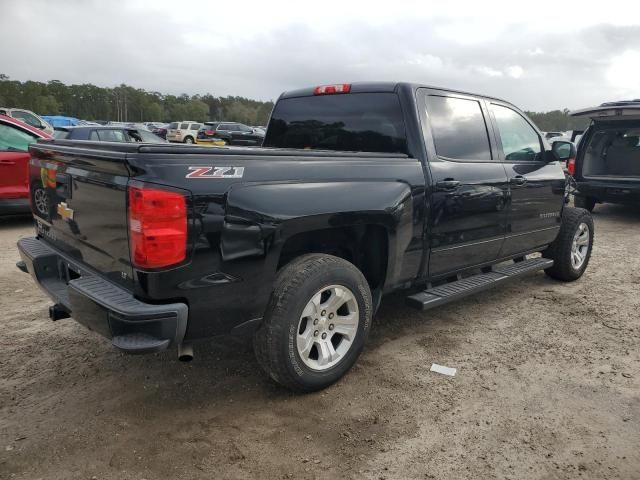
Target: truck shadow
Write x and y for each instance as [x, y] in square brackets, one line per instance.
[621, 213]
[15, 221]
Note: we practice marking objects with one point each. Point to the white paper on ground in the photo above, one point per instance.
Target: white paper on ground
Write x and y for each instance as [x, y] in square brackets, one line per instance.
[443, 370]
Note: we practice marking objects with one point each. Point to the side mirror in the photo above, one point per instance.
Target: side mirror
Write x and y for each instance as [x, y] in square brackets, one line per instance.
[563, 150]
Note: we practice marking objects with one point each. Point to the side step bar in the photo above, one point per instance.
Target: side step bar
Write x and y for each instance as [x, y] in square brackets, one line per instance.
[449, 292]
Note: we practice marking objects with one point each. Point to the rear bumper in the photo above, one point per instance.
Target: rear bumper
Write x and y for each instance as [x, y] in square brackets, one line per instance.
[100, 305]
[15, 206]
[624, 192]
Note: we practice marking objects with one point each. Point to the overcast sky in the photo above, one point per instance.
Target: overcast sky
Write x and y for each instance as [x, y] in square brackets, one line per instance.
[541, 55]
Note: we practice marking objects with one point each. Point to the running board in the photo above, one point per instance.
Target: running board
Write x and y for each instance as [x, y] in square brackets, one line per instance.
[499, 274]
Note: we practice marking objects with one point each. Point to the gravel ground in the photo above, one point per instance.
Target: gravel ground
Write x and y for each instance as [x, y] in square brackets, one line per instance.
[547, 388]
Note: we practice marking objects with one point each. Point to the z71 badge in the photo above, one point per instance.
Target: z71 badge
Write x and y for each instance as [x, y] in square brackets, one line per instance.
[215, 172]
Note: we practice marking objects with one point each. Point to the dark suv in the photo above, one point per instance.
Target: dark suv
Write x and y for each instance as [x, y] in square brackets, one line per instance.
[607, 166]
[232, 133]
[107, 134]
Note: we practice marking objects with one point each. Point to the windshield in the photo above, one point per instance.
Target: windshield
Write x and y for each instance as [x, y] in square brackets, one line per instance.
[359, 122]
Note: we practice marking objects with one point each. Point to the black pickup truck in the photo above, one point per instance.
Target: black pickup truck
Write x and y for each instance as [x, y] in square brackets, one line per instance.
[360, 190]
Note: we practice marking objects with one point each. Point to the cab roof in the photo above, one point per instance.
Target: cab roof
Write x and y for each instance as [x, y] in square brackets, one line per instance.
[384, 87]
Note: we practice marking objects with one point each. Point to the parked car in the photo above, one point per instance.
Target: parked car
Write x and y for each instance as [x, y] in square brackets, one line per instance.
[207, 135]
[234, 133]
[183, 132]
[15, 138]
[607, 165]
[161, 130]
[28, 117]
[549, 135]
[107, 134]
[367, 189]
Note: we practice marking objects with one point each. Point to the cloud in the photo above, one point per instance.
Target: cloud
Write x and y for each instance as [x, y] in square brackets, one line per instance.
[515, 71]
[538, 61]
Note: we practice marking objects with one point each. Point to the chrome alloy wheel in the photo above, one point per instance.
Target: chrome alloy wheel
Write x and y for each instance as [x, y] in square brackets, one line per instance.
[580, 246]
[41, 201]
[327, 327]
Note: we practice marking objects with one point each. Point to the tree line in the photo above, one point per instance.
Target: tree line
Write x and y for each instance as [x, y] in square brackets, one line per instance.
[128, 104]
[558, 121]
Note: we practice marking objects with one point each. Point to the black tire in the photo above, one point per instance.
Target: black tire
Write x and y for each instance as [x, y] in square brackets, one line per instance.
[188, 140]
[588, 203]
[560, 251]
[275, 340]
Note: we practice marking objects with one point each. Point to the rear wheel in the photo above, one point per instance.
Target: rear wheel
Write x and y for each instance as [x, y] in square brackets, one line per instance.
[188, 140]
[316, 322]
[588, 203]
[571, 250]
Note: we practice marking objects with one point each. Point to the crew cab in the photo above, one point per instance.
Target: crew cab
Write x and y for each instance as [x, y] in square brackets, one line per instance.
[360, 190]
[607, 165]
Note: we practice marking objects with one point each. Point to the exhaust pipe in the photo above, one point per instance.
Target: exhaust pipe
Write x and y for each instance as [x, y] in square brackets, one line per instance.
[185, 352]
[58, 312]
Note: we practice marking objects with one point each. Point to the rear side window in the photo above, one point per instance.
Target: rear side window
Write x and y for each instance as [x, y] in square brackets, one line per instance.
[14, 140]
[356, 122]
[173, 125]
[520, 142]
[459, 128]
[111, 136]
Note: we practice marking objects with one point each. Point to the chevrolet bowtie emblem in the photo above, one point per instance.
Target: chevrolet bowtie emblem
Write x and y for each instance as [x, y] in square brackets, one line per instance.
[64, 211]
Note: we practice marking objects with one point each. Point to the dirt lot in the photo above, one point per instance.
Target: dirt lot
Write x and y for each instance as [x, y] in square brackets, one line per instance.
[547, 387]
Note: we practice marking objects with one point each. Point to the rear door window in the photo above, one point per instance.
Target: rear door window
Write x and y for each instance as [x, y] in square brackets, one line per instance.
[184, 126]
[459, 128]
[112, 136]
[520, 142]
[195, 126]
[358, 122]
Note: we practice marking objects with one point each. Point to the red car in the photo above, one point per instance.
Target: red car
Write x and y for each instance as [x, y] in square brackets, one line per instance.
[15, 137]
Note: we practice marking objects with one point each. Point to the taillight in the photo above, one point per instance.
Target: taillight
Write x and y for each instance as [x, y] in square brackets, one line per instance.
[157, 227]
[178, 132]
[571, 166]
[211, 132]
[331, 89]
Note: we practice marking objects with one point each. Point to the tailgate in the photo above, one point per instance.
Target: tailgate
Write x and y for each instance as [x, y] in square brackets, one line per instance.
[85, 209]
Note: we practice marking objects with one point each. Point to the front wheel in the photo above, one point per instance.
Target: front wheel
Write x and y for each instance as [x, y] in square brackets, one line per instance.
[571, 250]
[316, 323]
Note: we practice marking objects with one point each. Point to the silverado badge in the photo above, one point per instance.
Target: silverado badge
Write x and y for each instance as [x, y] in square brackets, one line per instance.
[64, 211]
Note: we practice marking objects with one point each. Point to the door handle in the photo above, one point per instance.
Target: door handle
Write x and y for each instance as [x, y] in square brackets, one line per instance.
[519, 180]
[447, 185]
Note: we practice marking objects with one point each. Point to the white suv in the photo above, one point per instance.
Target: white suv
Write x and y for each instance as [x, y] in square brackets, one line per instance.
[184, 132]
[28, 117]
